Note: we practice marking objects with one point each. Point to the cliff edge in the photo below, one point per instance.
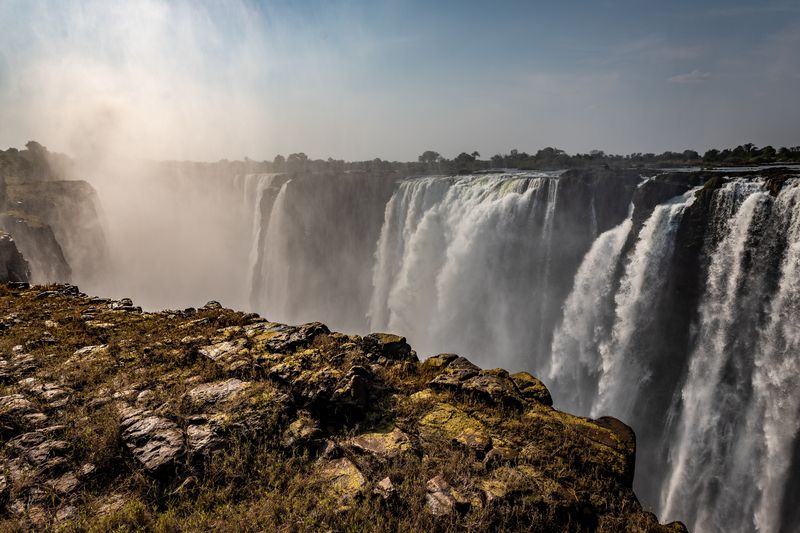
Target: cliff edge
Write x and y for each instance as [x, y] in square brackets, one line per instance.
[212, 419]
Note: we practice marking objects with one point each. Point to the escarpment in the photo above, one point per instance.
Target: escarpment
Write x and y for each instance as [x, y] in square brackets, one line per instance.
[212, 419]
[54, 219]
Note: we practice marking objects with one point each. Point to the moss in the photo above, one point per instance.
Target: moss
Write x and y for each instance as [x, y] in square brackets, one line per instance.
[523, 468]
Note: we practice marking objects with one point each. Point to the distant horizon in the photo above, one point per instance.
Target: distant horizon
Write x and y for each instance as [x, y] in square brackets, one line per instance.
[357, 80]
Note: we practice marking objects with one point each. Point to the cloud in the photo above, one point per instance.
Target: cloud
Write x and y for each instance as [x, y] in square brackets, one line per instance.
[695, 76]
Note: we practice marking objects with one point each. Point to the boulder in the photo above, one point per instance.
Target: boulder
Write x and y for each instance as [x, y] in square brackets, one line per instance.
[302, 431]
[340, 480]
[210, 394]
[229, 355]
[155, 442]
[392, 347]
[382, 446]
[531, 388]
[450, 422]
[204, 435]
[493, 386]
[441, 499]
[385, 489]
[280, 338]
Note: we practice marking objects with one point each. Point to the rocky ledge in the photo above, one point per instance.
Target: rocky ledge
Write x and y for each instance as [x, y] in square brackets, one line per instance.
[212, 419]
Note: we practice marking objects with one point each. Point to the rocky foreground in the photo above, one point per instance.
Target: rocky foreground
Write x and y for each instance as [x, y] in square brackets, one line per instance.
[211, 419]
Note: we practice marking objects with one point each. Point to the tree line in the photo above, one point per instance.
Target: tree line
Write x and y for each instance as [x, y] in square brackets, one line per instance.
[36, 162]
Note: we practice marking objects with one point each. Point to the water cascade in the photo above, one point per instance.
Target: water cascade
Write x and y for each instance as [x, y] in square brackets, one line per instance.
[668, 304]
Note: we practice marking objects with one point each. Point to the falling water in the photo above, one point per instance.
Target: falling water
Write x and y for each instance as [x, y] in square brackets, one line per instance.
[738, 418]
[454, 264]
[776, 406]
[271, 271]
[622, 372]
[467, 264]
[575, 361]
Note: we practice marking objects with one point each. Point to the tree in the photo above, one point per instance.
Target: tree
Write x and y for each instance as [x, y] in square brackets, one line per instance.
[475, 154]
[429, 156]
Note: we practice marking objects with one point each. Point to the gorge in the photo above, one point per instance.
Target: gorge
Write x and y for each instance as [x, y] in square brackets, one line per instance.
[667, 299]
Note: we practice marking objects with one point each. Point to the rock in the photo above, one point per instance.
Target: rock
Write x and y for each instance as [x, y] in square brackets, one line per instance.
[302, 431]
[452, 423]
[154, 442]
[385, 489]
[676, 527]
[66, 513]
[531, 388]
[13, 267]
[229, 355]
[14, 405]
[4, 490]
[204, 436]
[65, 484]
[624, 442]
[441, 499]
[454, 373]
[340, 480]
[500, 455]
[356, 391]
[439, 362]
[87, 470]
[88, 354]
[145, 398]
[52, 394]
[493, 386]
[392, 347]
[213, 304]
[210, 394]
[383, 446]
[494, 491]
[280, 338]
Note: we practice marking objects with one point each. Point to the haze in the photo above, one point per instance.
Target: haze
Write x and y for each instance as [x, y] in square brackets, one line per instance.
[357, 80]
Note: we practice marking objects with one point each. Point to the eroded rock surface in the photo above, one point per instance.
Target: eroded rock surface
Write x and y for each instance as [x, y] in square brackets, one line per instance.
[209, 419]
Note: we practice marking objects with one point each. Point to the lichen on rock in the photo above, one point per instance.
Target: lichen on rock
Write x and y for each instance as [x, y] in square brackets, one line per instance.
[209, 419]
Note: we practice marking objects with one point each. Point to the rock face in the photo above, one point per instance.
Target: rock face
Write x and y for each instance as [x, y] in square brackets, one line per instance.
[212, 419]
[13, 267]
[39, 246]
[56, 222]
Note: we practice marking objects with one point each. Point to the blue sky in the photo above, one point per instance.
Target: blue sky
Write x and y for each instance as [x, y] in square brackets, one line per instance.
[354, 80]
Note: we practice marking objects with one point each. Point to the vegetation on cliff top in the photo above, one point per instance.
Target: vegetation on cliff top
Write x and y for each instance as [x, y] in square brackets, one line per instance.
[115, 419]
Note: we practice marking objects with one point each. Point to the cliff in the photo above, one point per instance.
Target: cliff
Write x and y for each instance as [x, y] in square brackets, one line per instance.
[212, 419]
[57, 225]
[54, 218]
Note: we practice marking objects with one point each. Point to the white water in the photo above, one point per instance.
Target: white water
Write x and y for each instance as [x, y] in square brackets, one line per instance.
[254, 189]
[275, 270]
[574, 360]
[740, 409]
[464, 264]
[776, 406]
[623, 373]
[450, 255]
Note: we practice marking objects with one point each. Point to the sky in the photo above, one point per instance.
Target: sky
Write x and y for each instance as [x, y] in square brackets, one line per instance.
[363, 79]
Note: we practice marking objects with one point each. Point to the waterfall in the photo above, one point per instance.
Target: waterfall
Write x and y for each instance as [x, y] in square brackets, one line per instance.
[456, 267]
[738, 414]
[776, 406]
[543, 272]
[271, 272]
[575, 361]
[253, 200]
[623, 372]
